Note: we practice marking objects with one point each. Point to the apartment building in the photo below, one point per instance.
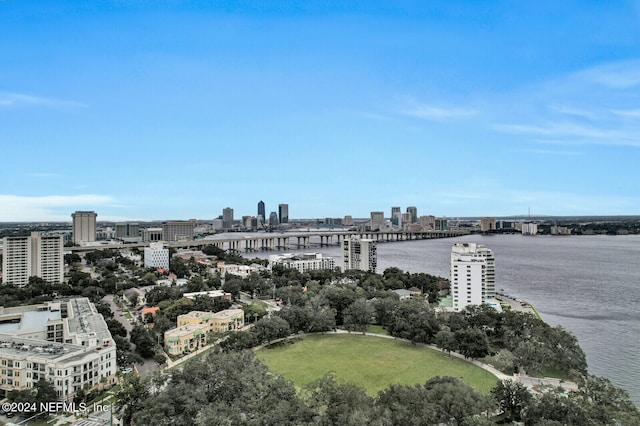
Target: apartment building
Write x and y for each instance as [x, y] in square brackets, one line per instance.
[65, 342]
[36, 255]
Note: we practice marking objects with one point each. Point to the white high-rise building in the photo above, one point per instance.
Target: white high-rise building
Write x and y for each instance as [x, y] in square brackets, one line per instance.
[472, 275]
[33, 256]
[359, 254]
[156, 256]
[84, 226]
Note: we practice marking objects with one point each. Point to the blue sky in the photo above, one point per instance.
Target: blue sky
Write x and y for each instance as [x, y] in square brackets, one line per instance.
[148, 110]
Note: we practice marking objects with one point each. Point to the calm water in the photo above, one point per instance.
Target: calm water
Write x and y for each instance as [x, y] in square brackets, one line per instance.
[590, 285]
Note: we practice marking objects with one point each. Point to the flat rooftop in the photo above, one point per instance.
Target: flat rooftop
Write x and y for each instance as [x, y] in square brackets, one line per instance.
[29, 320]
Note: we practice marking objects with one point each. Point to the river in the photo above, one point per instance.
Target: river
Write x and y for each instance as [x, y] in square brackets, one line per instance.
[589, 285]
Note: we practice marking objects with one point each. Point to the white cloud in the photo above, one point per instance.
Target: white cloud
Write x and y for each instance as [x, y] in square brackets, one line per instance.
[9, 100]
[629, 113]
[619, 75]
[15, 208]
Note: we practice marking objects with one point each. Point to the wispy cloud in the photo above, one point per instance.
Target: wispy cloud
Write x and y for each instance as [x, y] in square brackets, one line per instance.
[8, 100]
[629, 113]
[429, 112]
[619, 75]
[15, 208]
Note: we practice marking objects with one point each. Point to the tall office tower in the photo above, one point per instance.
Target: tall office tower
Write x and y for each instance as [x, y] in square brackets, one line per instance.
[377, 221]
[273, 219]
[227, 218]
[177, 230]
[33, 256]
[127, 231]
[487, 224]
[414, 213]
[473, 278]
[261, 211]
[84, 226]
[359, 254]
[396, 218]
[156, 256]
[283, 213]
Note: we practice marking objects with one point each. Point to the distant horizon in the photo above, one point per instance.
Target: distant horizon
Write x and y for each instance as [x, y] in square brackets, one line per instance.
[179, 109]
[294, 220]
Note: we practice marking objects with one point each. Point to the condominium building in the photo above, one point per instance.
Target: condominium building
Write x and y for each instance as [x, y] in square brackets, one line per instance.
[84, 226]
[177, 230]
[529, 228]
[359, 254]
[156, 256]
[428, 223]
[347, 220]
[36, 255]
[302, 262]
[472, 275]
[191, 332]
[283, 213]
[65, 342]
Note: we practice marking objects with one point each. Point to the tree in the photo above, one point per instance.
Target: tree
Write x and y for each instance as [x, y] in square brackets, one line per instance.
[472, 343]
[405, 405]
[512, 397]
[453, 399]
[358, 315]
[446, 340]
[130, 397]
[268, 329]
[339, 404]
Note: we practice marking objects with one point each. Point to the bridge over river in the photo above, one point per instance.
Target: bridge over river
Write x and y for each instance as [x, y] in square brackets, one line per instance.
[285, 241]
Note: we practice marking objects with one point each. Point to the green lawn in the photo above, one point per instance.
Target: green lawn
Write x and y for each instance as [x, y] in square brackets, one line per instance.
[376, 329]
[372, 363]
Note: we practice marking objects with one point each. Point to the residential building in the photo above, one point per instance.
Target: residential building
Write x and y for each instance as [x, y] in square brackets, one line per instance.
[302, 262]
[560, 230]
[529, 228]
[84, 226]
[37, 255]
[227, 218]
[377, 221]
[283, 213]
[214, 294]
[65, 342]
[347, 220]
[359, 254]
[191, 332]
[487, 224]
[414, 213]
[472, 275]
[177, 230]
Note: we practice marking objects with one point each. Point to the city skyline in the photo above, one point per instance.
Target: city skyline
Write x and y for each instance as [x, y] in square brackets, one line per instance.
[165, 110]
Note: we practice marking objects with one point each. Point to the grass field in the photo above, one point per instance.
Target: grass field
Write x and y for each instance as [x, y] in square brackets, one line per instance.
[372, 363]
